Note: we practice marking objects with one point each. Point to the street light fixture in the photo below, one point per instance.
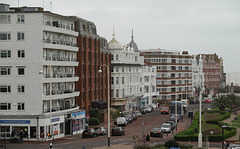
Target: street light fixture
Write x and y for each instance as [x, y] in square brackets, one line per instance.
[108, 108]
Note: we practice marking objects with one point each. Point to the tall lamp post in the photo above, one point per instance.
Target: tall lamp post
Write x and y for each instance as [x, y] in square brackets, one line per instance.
[108, 108]
[200, 119]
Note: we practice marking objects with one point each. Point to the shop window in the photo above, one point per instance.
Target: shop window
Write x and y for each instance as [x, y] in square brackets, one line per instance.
[5, 131]
[61, 128]
[33, 132]
[20, 131]
[42, 132]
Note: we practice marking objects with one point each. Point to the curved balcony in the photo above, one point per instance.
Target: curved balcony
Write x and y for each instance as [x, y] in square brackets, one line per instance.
[60, 78]
[60, 94]
[61, 45]
[59, 61]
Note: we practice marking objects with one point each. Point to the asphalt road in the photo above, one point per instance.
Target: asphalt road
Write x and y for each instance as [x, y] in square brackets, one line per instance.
[151, 120]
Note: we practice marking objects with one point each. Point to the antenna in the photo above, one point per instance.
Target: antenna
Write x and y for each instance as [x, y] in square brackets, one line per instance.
[113, 31]
[51, 6]
[132, 33]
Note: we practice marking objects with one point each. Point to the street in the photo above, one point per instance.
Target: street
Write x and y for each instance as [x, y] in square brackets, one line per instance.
[151, 120]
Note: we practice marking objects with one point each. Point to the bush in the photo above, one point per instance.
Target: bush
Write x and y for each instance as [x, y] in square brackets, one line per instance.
[171, 143]
[186, 146]
[115, 113]
[142, 147]
[94, 121]
[95, 112]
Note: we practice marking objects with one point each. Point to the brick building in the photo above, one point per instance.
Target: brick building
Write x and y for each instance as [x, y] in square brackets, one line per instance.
[92, 54]
[212, 69]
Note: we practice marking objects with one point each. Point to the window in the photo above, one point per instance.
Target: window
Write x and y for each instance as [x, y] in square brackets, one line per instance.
[20, 36]
[122, 68]
[5, 89]
[21, 53]
[122, 80]
[5, 71]
[5, 19]
[112, 80]
[116, 69]
[140, 79]
[20, 71]
[117, 80]
[5, 53]
[117, 92]
[140, 89]
[20, 18]
[5, 106]
[117, 57]
[112, 57]
[5, 36]
[21, 89]
[21, 106]
[135, 58]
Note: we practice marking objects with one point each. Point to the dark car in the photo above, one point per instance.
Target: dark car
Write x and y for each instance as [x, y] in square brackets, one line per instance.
[143, 111]
[134, 115]
[128, 119]
[89, 133]
[100, 130]
[156, 132]
[118, 131]
[173, 118]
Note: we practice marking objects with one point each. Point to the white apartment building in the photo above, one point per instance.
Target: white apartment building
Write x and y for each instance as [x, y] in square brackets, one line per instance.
[197, 74]
[174, 73]
[133, 83]
[37, 80]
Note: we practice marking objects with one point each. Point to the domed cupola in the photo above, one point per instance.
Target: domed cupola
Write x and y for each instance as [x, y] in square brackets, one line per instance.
[114, 44]
[133, 45]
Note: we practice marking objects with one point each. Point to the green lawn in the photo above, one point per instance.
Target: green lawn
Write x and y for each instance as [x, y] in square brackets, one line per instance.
[236, 125]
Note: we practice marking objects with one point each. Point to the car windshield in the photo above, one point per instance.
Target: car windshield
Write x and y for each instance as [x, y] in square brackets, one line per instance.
[166, 125]
[156, 129]
[165, 108]
[116, 128]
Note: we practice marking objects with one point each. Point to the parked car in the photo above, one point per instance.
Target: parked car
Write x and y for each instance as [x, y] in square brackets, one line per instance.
[173, 118]
[172, 124]
[165, 110]
[166, 128]
[154, 105]
[142, 110]
[139, 114]
[122, 121]
[156, 132]
[118, 131]
[134, 115]
[89, 133]
[129, 118]
[100, 130]
[148, 109]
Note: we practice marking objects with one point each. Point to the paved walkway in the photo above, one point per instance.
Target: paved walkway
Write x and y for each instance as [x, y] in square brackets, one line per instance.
[229, 121]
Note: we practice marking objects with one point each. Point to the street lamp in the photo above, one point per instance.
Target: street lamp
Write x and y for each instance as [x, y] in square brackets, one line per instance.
[200, 119]
[108, 108]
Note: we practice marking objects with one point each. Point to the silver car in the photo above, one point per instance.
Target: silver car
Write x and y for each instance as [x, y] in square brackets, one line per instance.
[166, 128]
[100, 130]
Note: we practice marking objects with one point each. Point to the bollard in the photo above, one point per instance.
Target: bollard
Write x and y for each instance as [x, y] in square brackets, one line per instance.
[50, 144]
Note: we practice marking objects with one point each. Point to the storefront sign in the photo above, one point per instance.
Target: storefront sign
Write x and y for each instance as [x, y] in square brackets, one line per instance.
[78, 114]
[55, 119]
[15, 121]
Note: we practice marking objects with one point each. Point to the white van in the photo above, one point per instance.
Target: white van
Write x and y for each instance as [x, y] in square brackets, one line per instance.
[121, 121]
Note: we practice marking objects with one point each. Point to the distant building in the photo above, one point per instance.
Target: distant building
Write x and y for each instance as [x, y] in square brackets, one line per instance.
[133, 84]
[212, 67]
[174, 73]
[197, 75]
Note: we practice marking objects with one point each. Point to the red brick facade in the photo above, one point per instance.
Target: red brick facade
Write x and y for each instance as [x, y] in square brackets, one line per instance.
[92, 85]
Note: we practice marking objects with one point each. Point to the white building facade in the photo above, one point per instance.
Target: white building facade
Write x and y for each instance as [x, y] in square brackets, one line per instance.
[37, 80]
[197, 74]
[133, 83]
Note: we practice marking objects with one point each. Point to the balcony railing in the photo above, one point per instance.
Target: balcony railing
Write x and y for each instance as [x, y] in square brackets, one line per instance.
[60, 75]
[59, 42]
[59, 59]
[61, 108]
[59, 92]
[58, 25]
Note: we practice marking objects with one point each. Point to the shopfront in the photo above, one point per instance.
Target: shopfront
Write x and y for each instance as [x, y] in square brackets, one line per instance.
[78, 122]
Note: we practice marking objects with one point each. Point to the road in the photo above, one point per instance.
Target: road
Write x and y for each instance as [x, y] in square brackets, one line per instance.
[151, 120]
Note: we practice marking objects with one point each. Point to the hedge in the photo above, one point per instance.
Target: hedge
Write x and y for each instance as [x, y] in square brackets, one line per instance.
[94, 121]
[190, 134]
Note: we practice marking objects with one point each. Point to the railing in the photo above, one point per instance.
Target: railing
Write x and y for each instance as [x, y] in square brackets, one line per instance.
[59, 42]
[59, 92]
[55, 109]
[60, 75]
[58, 25]
[59, 59]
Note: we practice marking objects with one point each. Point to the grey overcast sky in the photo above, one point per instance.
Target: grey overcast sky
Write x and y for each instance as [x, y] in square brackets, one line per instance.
[198, 26]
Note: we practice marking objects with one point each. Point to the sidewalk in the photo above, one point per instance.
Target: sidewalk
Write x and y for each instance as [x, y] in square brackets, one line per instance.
[229, 121]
